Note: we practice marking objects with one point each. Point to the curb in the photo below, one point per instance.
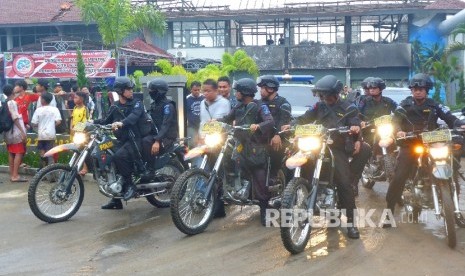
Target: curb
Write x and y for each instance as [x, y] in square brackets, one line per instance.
[26, 171]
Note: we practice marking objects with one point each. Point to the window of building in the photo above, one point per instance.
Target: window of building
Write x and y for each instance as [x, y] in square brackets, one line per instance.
[375, 28]
[323, 30]
[198, 34]
[258, 33]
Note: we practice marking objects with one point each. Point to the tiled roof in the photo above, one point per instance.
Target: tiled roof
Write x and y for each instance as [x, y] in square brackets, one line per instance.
[446, 5]
[141, 46]
[38, 11]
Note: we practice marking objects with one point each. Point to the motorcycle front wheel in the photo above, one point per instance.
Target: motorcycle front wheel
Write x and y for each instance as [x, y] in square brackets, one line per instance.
[448, 213]
[47, 195]
[191, 212]
[172, 171]
[296, 231]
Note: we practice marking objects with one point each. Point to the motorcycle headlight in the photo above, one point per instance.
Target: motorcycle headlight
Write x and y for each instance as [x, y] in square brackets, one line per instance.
[79, 138]
[439, 152]
[212, 140]
[309, 143]
[385, 130]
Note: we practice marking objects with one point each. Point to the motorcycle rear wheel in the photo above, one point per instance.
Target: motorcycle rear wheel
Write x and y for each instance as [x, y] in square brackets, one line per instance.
[295, 238]
[46, 196]
[448, 213]
[162, 200]
[186, 211]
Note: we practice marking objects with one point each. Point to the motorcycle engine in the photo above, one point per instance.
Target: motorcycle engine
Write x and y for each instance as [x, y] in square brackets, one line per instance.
[325, 199]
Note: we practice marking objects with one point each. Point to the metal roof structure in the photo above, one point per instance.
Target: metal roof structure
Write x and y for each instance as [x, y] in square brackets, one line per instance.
[239, 9]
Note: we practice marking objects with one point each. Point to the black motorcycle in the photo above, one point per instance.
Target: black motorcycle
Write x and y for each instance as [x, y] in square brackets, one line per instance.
[194, 192]
[302, 200]
[383, 169]
[56, 192]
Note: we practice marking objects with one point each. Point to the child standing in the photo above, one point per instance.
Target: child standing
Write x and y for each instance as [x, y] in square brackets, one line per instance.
[80, 115]
[16, 137]
[46, 118]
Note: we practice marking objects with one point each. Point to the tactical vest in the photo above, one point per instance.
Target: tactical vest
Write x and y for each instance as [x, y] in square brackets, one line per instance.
[420, 116]
[275, 108]
[373, 109]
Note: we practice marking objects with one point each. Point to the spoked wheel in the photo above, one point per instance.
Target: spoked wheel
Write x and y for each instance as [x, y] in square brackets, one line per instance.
[190, 210]
[47, 195]
[170, 173]
[296, 232]
[448, 213]
[366, 178]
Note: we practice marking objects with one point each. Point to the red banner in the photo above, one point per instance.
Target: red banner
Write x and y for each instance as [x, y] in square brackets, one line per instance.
[99, 64]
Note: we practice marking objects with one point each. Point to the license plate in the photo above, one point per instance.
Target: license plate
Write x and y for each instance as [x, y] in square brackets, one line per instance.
[443, 135]
[386, 119]
[308, 130]
[212, 127]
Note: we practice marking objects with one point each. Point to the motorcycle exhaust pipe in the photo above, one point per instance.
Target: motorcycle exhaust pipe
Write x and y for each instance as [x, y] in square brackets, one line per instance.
[153, 185]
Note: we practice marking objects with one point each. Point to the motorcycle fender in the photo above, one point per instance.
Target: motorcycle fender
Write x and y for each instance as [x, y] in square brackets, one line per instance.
[386, 142]
[297, 160]
[442, 171]
[195, 152]
[60, 148]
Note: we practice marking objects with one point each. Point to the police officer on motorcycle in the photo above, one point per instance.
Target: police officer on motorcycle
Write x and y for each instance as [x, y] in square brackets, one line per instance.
[374, 105]
[253, 112]
[415, 113]
[164, 116]
[334, 112]
[125, 116]
[366, 90]
[280, 109]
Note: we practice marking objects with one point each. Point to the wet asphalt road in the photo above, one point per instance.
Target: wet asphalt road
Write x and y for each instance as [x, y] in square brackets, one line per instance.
[142, 239]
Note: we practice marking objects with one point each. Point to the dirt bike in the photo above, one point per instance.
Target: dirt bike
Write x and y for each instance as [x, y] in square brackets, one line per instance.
[56, 192]
[194, 192]
[432, 185]
[380, 170]
[313, 198]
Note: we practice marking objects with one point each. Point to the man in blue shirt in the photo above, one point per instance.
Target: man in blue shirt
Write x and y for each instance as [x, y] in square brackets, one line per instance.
[193, 112]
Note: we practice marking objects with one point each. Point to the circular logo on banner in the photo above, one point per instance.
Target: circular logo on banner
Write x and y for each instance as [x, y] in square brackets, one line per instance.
[23, 65]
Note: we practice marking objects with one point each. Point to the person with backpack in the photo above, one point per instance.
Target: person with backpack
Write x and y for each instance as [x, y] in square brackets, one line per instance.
[14, 133]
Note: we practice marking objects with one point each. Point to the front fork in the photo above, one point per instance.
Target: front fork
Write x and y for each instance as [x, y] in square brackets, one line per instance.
[76, 162]
[214, 173]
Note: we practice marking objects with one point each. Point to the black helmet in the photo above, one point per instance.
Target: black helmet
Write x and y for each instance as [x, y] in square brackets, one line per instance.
[365, 82]
[268, 81]
[157, 88]
[376, 82]
[421, 80]
[328, 85]
[246, 87]
[122, 83]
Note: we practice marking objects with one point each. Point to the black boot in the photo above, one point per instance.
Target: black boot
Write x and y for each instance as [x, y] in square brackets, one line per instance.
[263, 206]
[113, 204]
[352, 231]
[219, 210]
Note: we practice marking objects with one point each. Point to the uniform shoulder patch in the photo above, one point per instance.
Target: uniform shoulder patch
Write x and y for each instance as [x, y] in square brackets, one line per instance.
[286, 106]
[137, 105]
[444, 108]
[265, 109]
[166, 109]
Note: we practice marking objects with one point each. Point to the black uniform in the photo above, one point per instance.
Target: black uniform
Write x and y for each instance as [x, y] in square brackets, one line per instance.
[131, 115]
[342, 148]
[261, 115]
[371, 109]
[164, 116]
[281, 110]
[424, 117]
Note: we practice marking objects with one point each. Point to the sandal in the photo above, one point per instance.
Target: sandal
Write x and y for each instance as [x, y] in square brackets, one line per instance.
[20, 179]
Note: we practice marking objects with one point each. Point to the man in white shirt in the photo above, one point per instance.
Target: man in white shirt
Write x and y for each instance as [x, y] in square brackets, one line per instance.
[214, 106]
[46, 118]
[42, 87]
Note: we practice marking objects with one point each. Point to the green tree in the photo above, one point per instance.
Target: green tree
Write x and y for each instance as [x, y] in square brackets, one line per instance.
[239, 61]
[136, 78]
[445, 72]
[116, 19]
[81, 70]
